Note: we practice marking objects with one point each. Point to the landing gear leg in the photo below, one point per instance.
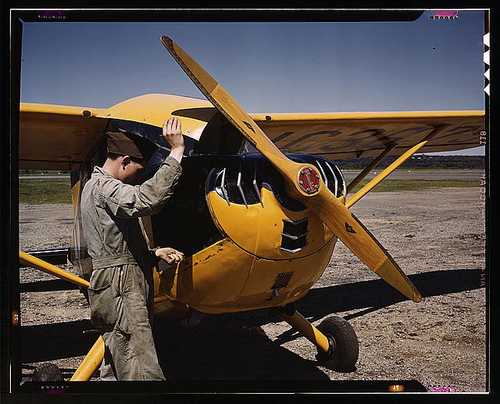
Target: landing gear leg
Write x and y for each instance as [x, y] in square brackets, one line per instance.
[338, 347]
[90, 363]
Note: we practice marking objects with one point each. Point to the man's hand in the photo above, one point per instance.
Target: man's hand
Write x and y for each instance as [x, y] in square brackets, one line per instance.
[170, 255]
[172, 132]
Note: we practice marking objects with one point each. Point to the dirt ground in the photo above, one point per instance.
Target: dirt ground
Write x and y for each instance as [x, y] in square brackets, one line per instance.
[438, 238]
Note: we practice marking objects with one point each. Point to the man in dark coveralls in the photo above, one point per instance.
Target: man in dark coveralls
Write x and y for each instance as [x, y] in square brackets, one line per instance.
[121, 284]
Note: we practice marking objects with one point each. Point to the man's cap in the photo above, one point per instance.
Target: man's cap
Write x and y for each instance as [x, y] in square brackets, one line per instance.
[129, 144]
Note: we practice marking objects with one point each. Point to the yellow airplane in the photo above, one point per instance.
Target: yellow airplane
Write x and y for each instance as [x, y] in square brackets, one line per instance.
[258, 225]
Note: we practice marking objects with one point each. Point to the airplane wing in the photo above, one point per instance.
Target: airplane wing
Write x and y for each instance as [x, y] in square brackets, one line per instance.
[55, 136]
[343, 136]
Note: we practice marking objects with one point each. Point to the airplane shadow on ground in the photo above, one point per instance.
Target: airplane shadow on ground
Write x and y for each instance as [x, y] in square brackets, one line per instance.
[233, 346]
[45, 342]
[212, 353]
[377, 294]
[46, 286]
[370, 296]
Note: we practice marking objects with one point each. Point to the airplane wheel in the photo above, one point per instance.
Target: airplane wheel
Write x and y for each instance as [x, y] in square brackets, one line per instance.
[47, 372]
[344, 346]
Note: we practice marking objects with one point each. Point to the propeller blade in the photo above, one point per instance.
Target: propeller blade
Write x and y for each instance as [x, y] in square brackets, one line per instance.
[228, 106]
[304, 180]
[360, 241]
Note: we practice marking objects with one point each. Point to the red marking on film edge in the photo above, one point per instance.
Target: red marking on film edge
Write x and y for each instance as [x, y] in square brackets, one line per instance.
[442, 389]
[444, 14]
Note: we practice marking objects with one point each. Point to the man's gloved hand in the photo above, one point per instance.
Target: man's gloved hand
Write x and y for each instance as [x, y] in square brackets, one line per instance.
[170, 255]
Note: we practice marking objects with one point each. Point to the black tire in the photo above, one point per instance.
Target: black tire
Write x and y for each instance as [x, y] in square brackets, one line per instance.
[344, 345]
[47, 372]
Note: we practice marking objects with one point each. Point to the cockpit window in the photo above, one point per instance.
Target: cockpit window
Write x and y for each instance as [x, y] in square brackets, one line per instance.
[219, 137]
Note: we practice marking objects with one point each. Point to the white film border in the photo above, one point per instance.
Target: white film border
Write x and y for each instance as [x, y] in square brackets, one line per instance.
[486, 60]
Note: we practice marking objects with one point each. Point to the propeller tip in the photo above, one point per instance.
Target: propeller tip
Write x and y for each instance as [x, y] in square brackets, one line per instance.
[166, 40]
[417, 298]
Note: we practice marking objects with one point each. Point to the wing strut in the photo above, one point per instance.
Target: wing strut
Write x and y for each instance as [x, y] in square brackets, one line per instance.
[29, 260]
[369, 167]
[94, 358]
[387, 171]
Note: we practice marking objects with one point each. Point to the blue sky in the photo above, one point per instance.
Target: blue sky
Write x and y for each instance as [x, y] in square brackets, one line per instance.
[268, 67]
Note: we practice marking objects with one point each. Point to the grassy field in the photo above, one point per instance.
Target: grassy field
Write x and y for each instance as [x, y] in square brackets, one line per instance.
[44, 191]
[417, 185]
[58, 190]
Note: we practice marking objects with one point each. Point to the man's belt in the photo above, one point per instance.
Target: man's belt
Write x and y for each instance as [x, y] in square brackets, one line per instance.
[112, 261]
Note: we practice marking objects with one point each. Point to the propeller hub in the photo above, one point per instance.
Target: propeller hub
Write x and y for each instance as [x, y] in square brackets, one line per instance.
[309, 180]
